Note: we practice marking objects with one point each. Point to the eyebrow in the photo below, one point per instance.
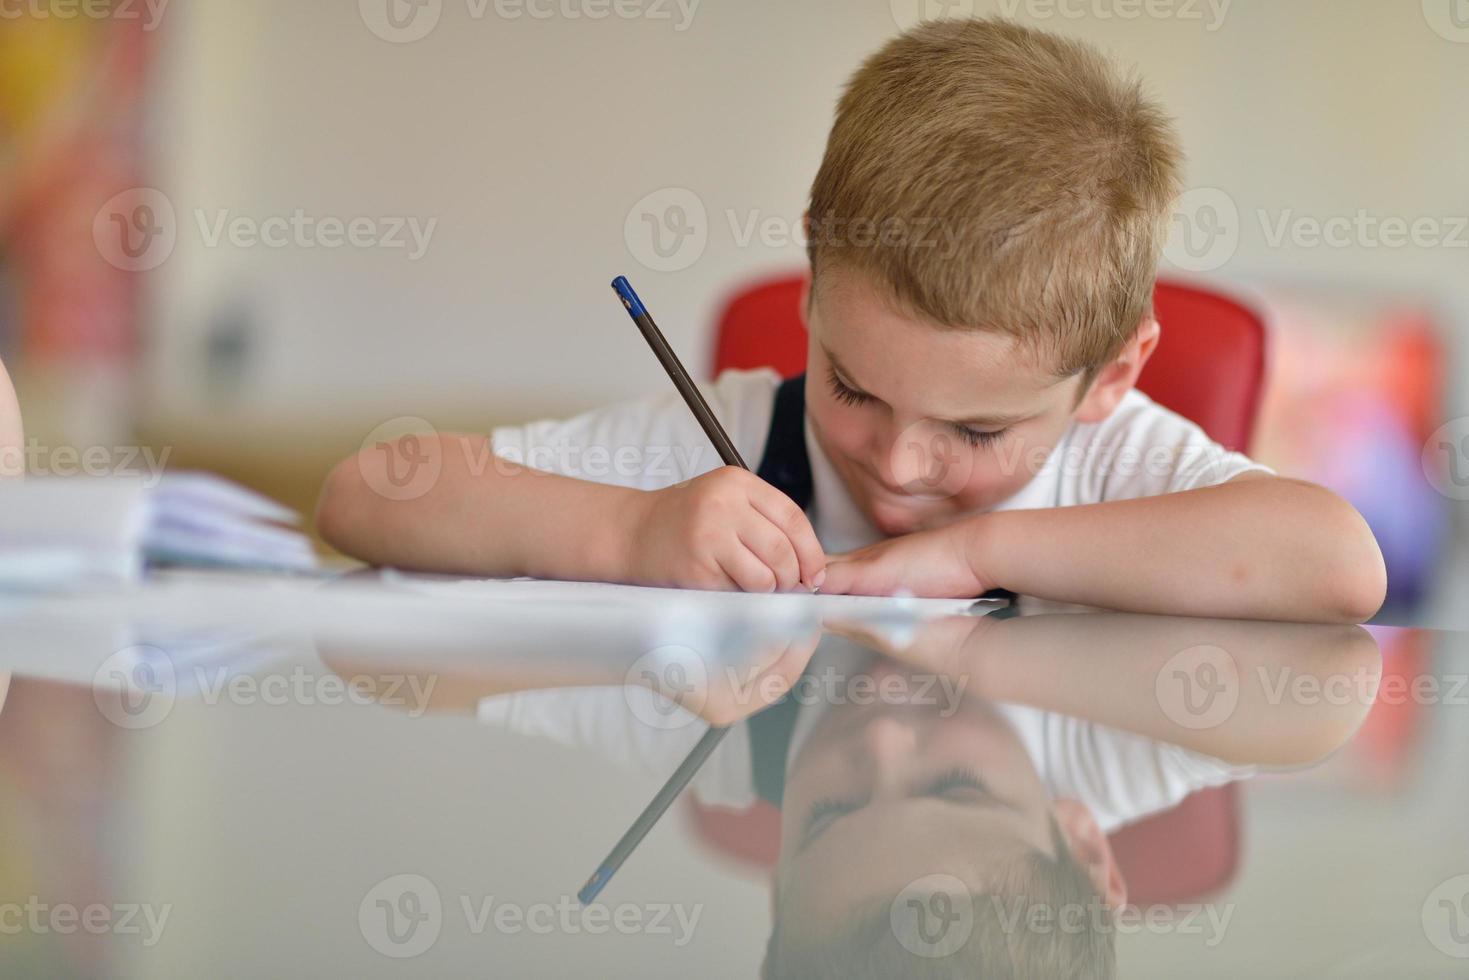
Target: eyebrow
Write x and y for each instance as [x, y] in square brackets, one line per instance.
[810, 834]
[992, 421]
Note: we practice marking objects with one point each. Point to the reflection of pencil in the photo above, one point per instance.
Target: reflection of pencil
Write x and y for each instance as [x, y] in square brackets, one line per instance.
[731, 456]
[655, 809]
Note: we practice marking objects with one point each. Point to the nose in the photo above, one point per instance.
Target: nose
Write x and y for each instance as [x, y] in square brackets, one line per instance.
[891, 746]
[920, 457]
[893, 455]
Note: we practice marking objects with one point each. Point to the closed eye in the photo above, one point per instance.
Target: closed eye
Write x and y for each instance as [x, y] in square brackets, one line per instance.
[977, 437]
[843, 392]
[848, 395]
[956, 786]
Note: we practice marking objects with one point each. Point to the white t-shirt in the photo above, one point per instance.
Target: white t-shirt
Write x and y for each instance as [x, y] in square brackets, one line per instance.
[1119, 776]
[1141, 450]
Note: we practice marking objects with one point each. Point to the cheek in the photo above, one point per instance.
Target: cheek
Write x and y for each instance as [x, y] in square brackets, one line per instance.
[996, 472]
[846, 428]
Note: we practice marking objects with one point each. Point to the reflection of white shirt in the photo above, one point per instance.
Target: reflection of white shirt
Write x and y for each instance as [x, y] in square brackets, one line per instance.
[1141, 450]
[1119, 776]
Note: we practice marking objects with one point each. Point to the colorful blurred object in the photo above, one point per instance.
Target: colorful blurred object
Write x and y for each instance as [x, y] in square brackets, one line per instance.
[71, 110]
[1353, 395]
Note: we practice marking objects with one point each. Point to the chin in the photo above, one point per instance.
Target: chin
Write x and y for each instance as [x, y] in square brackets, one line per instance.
[893, 520]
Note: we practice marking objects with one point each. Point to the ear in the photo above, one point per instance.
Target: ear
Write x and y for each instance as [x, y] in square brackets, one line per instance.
[1092, 850]
[1118, 377]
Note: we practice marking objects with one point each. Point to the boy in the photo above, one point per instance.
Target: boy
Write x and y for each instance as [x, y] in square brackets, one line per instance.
[967, 419]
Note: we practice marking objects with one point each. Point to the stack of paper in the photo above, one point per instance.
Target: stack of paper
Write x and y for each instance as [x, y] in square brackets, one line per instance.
[83, 531]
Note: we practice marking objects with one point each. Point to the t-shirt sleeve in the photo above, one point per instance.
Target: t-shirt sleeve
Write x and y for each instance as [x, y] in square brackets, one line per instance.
[1120, 776]
[1143, 449]
[646, 443]
[610, 722]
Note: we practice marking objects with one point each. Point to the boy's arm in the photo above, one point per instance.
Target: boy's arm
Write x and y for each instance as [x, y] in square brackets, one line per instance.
[1255, 547]
[479, 514]
[1139, 673]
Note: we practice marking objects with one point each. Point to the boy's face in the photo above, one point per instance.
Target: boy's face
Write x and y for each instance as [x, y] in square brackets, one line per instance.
[924, 424]
[882, 793]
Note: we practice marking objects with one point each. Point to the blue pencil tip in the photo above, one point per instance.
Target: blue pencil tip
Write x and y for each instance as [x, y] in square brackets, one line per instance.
[629, 297]
[594, 886]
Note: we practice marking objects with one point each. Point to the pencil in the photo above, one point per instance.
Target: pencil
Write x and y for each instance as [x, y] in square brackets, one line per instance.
[731, 456]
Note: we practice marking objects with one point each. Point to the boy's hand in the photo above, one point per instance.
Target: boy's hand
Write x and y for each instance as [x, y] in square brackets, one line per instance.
[934, 564]
[727, 530]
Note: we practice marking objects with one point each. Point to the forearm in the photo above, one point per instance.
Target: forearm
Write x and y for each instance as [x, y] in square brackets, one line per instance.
[1257, 548]
[1119, 670]
[482, 515]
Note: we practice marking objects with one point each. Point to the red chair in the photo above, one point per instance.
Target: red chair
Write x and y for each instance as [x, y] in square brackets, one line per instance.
[1209, 366]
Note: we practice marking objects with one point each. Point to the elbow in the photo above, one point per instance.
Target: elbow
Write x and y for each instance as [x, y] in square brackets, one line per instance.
[337, 505]
[1362, 590]
[1359, 578]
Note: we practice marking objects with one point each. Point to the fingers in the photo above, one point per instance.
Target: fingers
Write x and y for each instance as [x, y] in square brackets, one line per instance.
[782, 511]
[772, 547]
[748, 572]
[856, 576]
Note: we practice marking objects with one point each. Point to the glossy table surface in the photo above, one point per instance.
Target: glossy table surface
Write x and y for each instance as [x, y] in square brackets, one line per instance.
[379, 776]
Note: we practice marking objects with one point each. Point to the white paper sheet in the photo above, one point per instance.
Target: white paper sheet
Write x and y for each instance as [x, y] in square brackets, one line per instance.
[595, 594]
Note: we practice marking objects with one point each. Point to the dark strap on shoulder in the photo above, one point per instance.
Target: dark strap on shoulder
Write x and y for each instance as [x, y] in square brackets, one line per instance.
[786, 466]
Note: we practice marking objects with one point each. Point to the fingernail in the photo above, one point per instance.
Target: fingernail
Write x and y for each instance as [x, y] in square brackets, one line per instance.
[820, 577]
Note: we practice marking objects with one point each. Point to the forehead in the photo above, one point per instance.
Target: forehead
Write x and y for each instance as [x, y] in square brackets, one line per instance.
[904, 358]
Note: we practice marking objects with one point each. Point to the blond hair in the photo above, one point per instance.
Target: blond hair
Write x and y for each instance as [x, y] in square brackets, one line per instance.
[1010, 180]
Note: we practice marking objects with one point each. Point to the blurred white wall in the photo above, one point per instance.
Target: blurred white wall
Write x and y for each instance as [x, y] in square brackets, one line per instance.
[530, 139]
